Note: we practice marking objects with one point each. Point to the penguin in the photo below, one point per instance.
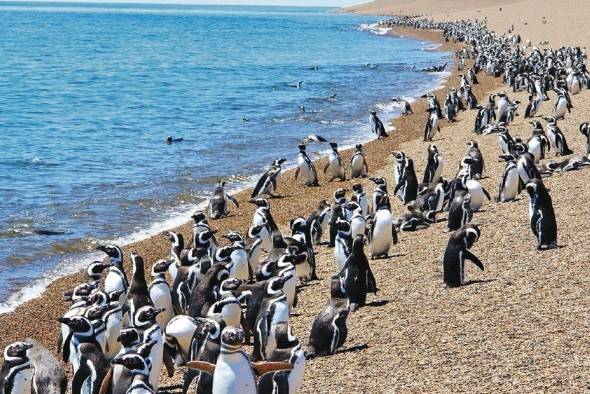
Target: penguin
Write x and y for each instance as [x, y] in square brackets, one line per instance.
[470, 97]
[160, 293]
[314, 138]
[343, 242]
[233, 373]
[218, 203]
[360, 197]
[533, 106]
[382, 231]
[119, 378]
[93, 368]
[338, 212]
[509, 187]
[478, 165]
[414, 220]
[357, 221]
[16, 375]
[408, 184]
[504, 105]
[263, 216]
[542, 215]
[138, 295]
[536, 146]
[405, 107]
[236, 255]
[356, 275]
[95, 269]
[113, 321]
[328, 331]
[139, 369]
[432, 125]
[116, 279]
[358, 163]
[380, 195]
[400, 165]
[434, 165]
[526, 168]
[585, 130]
[562, 105]
[556, 138]
[207, 290]
[377, 125]
[203, 235]
[49, 376]
[306, 168]
[267, 184]
[480, 119]
[145, 322]
[334, 168]
[285, 382]
[82, 331]
[318, 221]
[457, 251]
[301, 231]
[460, 212]
[261, 290]
[253, 244]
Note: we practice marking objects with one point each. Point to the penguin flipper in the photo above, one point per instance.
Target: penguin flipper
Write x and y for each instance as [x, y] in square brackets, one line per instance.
[473, 258]
[486, 193]
[202, 366]
[394, 234]
[233, 200]
[105, 386]
[262, 367]
[66, 347]
[168, 362]
[79, 378]
[296, 173]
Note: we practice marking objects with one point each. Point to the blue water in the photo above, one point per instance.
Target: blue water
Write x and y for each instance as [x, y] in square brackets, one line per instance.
[89, 92]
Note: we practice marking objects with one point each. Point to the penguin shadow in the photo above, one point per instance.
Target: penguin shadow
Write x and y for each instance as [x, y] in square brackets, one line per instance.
[377, 303]
[303, 286]
[478, 281]
[391, 256]
[353, 348]
[280, 196]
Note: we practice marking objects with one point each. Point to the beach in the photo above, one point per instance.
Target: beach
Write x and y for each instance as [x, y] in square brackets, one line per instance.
[519, 327]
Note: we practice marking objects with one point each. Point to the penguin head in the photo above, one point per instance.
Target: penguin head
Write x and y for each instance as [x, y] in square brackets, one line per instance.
[17, 351]
[551, 121]
[432, 148]
[334, 146]
[133, 362]
[232, 339]
[95, 312]
[357, 188]
[339, 194]
[146, 315]
[373, 113]
[472, 144]
[95, 268]
[358, 244]
[256, 231]
[223, 254]
[507, 157]
[301, 148]
[352, 206]
[470, 234]
[276, 284]
[359, 147]
[78, 324]
[98, 297]
[342, 225]
[234, 236]
[160, 267]
[113, 251]
[260, 203]
[398, 156]
[230, 285]
[298, 225]
[278, 162]
[535, 186]
[379, 181]
[128, 337]
[199, 217]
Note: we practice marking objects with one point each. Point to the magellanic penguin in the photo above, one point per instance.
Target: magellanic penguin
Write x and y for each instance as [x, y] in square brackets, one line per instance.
[139, 370]
[432, 125]
[49, 377]
[585, 130]
[377, 125]
[478, 166]
[556, 138]
[562, 105]
[408, 184]
[116, 279]
[233, 373]
[356, 275]
[343, 242]
[160, 293]
[218, 203]
[207, 290]
[434, 165]
[306, 168]
[509, 187]
[456, 252]
[267, 184]
[318, 220]
[334, 168]
[358, 163]
[358, 222]
[263, 216]
[16, 375]
[138, 295]
[399, 165]
[460, 212]
[405, 107]
[382, 230]
[328, 331]
[145, 322]
[359, 196]
[542, 215]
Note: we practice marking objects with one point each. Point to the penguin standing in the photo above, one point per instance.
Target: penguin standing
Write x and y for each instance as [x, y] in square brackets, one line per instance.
[556, 138]
[318, 221]
[306, 168]
[377, 125]
[138, 295]
[434, 166]
[139, 370]
[16, 375]
[334, 168]
[478, 165]
[432, 125]
[357, 221]
[382, 231]
[160, 294]
[267, 184]
[116, 279]
[360, 197]
[510, 181]
[399, 165]
[358, 163]
[218, 204]
[233, 373]
[405, 107]
[145, 322]
[585, 130]
[49, 377]
[562, 105]
[456, 252]
[356, 275]
[343, 242]
[328, 331]
[533, 106]
[93, 369]
[408, 184]
[542, 215]
[460, 212]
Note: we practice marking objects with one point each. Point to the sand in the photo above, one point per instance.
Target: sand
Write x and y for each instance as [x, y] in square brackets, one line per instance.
[521, 327]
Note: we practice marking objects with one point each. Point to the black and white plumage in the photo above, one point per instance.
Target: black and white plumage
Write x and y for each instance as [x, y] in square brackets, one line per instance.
[377, 125]
[16, 375]
[457, 252]
[585, 130]
[267, 184]
[358, 163]
[356, 275]
[305, 168]
[334, 168]
[556, 138]
[218, 203]
[432, 125]
[405, 107]
[541, 215]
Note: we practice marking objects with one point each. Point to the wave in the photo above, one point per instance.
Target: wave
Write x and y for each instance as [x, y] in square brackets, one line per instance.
[374, 28]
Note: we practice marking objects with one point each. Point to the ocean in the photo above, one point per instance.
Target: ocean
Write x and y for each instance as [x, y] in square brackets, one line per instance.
[89, 93]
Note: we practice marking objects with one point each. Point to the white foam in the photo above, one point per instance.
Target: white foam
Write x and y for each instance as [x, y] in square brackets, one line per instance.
[374, 28]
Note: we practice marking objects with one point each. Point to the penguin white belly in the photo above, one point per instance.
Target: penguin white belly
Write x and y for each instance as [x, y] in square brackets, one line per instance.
[254, 258]
[296, 374]
[156, 356]
[552, 139]
[382, 237]
[341, 252]
[161, 297]
[510, 190]
[182, 328]
[303, 271]
[534, 148]
[364, 204]
[335, 170]
[358, 225]
[561, 108]
[289, 288]
[357, 165]
[305, 172]
[113, 324]
[114, 283]
[22, 382]
[240, 266]
[233, 375]
[478, 197]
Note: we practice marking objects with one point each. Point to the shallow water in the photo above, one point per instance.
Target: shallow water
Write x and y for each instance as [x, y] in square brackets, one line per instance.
[88, 94]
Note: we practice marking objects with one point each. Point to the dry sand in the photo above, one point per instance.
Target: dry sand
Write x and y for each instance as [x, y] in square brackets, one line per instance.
[522, 328]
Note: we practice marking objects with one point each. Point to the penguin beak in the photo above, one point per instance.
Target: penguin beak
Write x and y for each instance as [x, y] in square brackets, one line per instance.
[117, 361]
[64, 320]
[159, 310]
[101, 248]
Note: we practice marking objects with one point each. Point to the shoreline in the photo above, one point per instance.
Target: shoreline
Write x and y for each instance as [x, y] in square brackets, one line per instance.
[41, 285]
[297, 200]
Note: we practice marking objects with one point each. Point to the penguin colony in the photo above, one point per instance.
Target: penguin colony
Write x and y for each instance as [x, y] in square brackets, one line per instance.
[209, 298]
